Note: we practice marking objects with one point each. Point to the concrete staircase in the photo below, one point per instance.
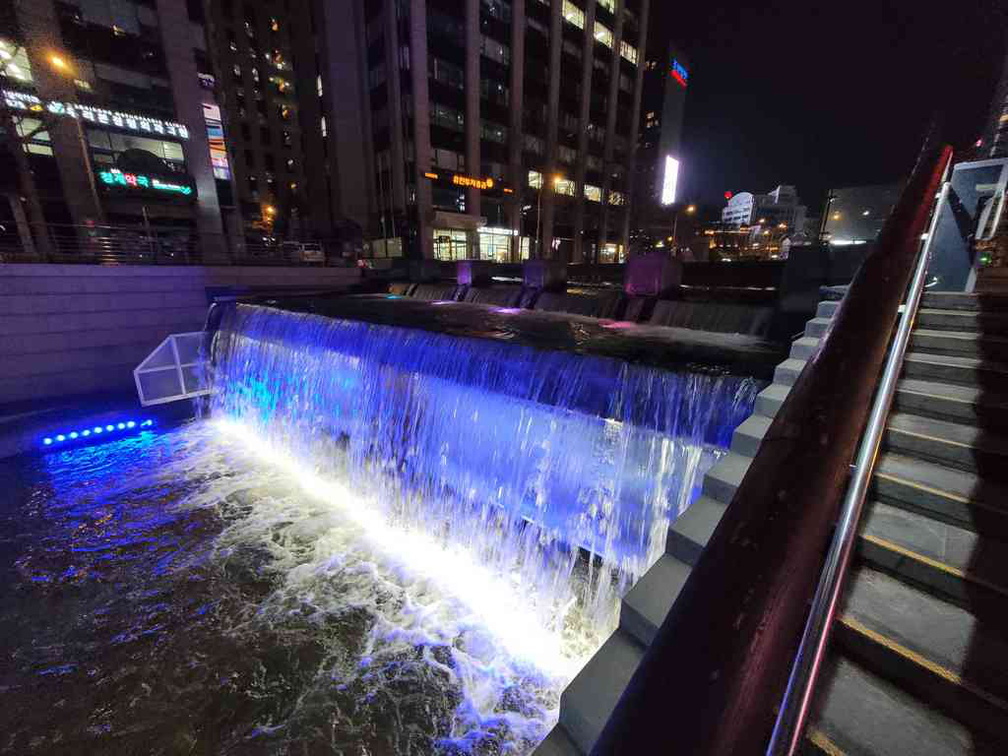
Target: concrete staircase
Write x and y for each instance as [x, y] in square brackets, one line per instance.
[919, 655]
[591, 697]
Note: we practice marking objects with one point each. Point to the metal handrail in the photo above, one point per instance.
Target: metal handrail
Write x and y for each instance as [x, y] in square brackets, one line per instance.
[794, 708]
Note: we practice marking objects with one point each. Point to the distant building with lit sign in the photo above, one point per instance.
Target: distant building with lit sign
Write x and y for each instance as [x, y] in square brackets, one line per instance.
[477, 183]
[121, 134]
[779, 206]
[679, 73]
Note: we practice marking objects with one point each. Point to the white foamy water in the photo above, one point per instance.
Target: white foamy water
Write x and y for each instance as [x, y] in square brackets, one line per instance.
[470, 640]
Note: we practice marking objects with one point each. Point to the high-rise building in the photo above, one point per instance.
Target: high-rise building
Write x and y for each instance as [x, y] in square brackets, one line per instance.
[995, 137]
[289, 77]
[658, 163]
[496, 129]
[103, 108]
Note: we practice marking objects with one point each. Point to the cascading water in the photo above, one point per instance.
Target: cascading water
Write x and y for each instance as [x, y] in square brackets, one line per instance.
[520, 457]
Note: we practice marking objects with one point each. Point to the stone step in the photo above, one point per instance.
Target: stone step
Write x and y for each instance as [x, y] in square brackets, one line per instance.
[955, 300]
[788, 371]
[966, 371]
[958, 445]
[589, 700]
[689, 534]
[950, 562]
[646, 605]
[946, 401]
[994, 324]
[827, 309]
[933, 649]
[858, 712]
[953, 496]
[817, 327]
[557, 743]
[770, 399]
[804, 348]
[724, 478]
[749, 435]
[960, 343]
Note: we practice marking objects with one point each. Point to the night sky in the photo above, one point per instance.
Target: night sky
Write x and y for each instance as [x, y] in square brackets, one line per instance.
[825, 95]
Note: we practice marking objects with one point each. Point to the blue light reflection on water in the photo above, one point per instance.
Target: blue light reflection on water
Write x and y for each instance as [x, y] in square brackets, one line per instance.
[163, 588]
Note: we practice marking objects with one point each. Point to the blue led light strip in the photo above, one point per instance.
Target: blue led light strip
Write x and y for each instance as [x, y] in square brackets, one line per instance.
[119, 427]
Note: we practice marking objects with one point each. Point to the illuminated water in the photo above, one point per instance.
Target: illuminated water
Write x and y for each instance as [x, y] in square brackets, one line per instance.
[340, 559]
[469, 441]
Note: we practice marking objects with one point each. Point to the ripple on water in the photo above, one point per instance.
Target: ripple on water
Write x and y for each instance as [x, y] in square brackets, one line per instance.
[171, 594]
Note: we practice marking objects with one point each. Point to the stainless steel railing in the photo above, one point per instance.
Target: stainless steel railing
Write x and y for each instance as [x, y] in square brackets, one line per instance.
[790, 725]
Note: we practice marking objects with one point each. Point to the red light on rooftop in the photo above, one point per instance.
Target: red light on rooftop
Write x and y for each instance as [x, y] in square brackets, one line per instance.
[728, 195]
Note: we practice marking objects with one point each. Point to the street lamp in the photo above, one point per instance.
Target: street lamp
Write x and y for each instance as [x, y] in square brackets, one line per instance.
[691, 209]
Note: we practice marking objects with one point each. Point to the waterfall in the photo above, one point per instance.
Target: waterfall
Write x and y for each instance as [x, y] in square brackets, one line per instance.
[527, 458]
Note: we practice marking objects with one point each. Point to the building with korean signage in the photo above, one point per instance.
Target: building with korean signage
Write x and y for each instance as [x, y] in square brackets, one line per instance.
[108, 107]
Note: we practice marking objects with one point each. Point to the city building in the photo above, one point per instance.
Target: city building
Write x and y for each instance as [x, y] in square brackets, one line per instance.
[500, 129]
[994, 142]
[777, 207]
[856, 214]
[105, 121]
[289, 76]
[658, 164]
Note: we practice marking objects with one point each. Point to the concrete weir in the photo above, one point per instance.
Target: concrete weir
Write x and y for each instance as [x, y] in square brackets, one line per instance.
[590, 699]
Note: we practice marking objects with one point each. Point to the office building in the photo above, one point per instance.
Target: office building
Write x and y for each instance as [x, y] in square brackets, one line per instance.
[779, 208]
[107, 103]
[856, 214]
[994, 142]
[289, 76]
[499, 129]
[659, 164]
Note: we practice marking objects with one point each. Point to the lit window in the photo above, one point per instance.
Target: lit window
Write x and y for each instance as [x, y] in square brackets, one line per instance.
[573, 15]
[609, 5]
[616, 198]
[322, 127]
[628, 51]
[274, 24]
[603, 35]
[593, 193]
[564, 186]
[535, 179]
[318, 84]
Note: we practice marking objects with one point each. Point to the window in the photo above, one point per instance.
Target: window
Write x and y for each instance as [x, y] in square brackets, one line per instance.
[596, 133]
[568, 121]
[286, 135]
[249, 159]
[318, 84]
[594, 163]
[603, 34]
[624, 83]
[499, 9]
[573, 15]
[609, 5]
[494, 91]
[375, 29]
[322, 128]
[616, 198]
[376, 76]
[564, 186]
[628, 51]
[593, 193]
[446, 26]
[534, 144]
[535, 179]
[537, 25]
[448, 159]
[447, 118]
[566, 155]
[290, 165]
[446, 73]
[493, 132]
[268, 162]
[572, 49]
[494, 50]
[264, 135]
